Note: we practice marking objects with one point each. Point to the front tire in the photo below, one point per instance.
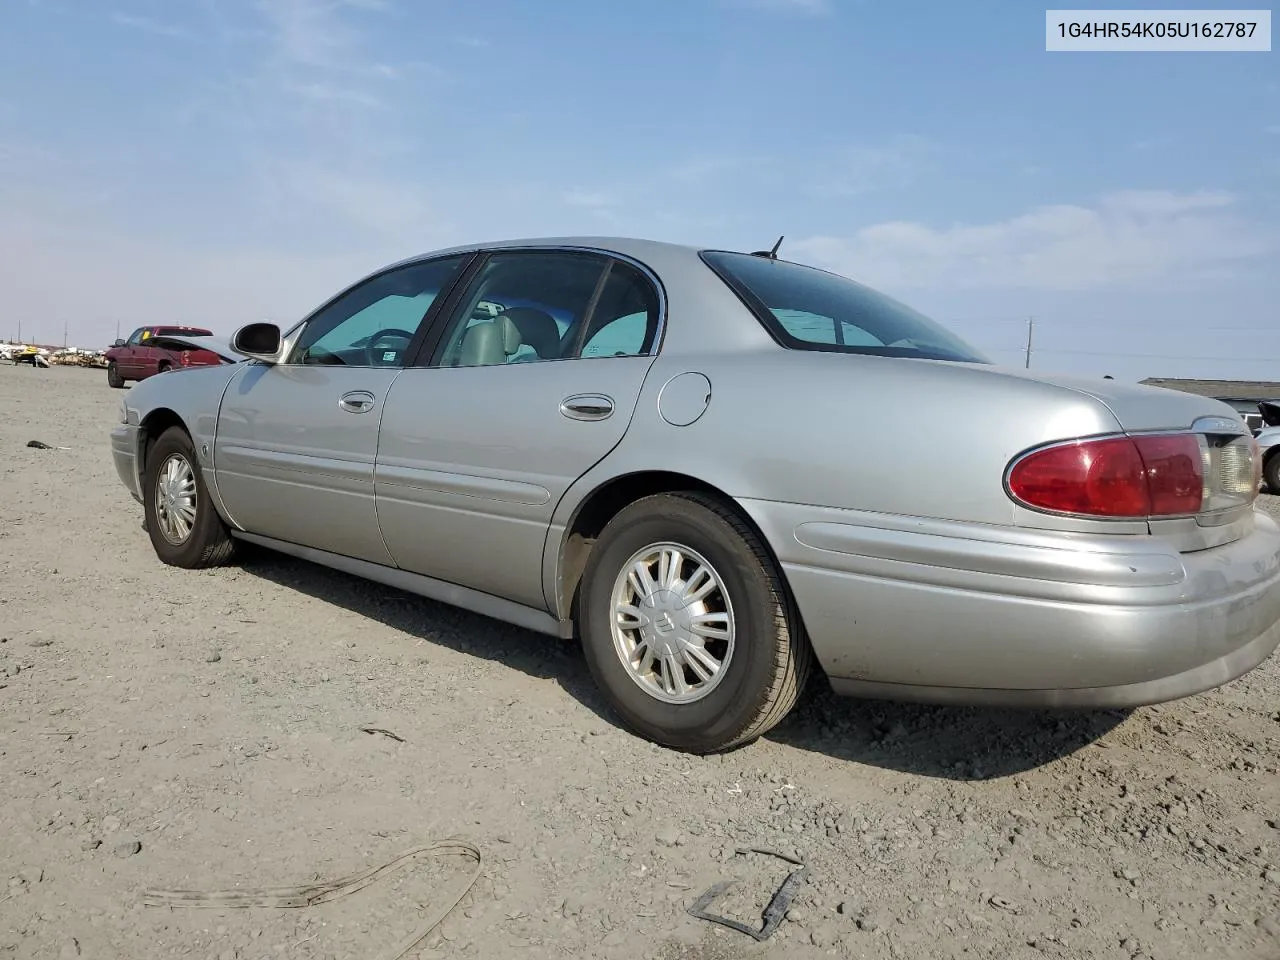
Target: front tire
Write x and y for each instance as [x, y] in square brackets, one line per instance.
[184, 527]
[687, 626]
[113, 376]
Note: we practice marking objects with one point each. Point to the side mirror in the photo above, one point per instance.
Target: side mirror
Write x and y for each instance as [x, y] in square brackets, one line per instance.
[260, 341]
[118, 343]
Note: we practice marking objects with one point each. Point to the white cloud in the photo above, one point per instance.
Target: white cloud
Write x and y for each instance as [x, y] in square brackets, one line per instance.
[590, 199]
[150, 25]
[865, 168]
[1127, 238]
[810, 7]
[308, 32]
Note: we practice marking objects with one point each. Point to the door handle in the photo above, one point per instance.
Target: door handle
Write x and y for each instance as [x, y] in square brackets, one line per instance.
[587, 406]
[357, 401]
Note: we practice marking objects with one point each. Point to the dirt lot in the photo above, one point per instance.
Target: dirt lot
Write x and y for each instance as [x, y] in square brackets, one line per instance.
[215, 719]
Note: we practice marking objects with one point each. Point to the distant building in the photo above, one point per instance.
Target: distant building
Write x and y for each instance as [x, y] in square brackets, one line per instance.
[1241, 394]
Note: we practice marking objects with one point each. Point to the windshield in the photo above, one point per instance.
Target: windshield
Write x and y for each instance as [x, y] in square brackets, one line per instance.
[809, 309]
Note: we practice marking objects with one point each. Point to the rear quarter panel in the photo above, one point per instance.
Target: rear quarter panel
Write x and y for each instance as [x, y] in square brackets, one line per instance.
[903, 437]
[880, 437]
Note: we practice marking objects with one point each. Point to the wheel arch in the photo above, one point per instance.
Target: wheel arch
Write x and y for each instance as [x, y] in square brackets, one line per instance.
[150, 428]
[603, 503]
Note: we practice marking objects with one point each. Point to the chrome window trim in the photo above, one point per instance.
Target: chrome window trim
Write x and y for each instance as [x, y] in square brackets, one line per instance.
[288, 337]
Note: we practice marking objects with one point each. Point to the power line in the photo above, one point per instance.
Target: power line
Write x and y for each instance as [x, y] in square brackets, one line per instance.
[1110, 324]
[1141, 356]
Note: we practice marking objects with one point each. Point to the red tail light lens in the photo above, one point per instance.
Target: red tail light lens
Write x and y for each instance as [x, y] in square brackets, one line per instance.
[1136, 477]
[1175, 473]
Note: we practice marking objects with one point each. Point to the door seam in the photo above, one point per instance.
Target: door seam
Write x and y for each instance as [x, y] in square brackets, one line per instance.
[377, 451]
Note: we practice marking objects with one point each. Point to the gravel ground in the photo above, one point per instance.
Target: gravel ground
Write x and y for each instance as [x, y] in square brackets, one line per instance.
[202, 730]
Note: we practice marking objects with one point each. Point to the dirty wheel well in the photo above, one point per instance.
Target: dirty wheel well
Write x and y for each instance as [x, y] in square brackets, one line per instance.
[601, 507]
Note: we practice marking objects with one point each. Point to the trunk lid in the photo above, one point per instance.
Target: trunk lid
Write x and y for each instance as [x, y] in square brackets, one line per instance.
[1138, 407]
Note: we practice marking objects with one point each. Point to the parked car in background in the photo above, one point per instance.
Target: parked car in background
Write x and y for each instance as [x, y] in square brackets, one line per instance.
[1248, 410]
[692, 460]
[140, 356]
[1268, 440]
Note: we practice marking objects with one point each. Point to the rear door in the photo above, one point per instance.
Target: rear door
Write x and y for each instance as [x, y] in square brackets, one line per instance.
[514, 399]
[296, 440]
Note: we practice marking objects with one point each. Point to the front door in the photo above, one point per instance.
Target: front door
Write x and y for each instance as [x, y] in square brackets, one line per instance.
[531, 382]
[296, 440]
[128, 360]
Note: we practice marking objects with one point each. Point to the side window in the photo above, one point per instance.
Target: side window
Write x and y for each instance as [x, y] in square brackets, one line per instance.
[373, 324]
[523, 307]
[625, 320]
[136, 337]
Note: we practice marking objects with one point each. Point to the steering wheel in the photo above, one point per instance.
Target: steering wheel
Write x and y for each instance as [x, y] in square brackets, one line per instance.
[377, 356]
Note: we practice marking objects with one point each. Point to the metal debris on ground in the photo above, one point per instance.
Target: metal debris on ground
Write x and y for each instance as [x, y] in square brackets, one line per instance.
[772, 914]
[310, 894]
[385, 733]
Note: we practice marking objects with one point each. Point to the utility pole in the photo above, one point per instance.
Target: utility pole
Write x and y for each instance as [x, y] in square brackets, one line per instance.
[1031, 326]
[64, 334]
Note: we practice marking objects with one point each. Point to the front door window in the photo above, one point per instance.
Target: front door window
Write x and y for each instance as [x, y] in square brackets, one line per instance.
[373, 324]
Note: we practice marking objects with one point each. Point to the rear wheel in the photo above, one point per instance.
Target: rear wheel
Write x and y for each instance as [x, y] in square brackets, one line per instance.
[1271, 471]
[184, 527]
[163, 367]
[687, 626]
[113, 376]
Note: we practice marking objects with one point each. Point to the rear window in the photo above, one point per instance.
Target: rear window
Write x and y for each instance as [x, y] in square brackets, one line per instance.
[182, 332]
[809, 309]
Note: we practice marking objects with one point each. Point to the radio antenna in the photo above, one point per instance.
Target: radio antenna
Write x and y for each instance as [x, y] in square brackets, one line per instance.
[771, 254]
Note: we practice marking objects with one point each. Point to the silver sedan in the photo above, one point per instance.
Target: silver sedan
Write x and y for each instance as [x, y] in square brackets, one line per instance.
[694, 461]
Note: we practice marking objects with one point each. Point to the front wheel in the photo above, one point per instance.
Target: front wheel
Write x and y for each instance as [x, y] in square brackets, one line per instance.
[184, 527]
[113, 376]
[687, 626]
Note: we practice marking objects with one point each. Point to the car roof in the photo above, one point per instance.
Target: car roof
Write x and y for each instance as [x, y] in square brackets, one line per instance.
[627, 246]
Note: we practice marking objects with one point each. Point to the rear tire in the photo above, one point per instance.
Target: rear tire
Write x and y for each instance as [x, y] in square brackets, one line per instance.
[745, 623]
[1271, 471]
[163, 368]
[113, 376]
[183, 524]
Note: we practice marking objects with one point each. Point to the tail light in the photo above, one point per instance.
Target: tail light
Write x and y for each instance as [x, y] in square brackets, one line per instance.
[1141, 476]
[184, 358]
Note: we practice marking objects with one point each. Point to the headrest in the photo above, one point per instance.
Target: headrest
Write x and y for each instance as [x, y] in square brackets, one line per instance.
[538, 329]
[489, 342]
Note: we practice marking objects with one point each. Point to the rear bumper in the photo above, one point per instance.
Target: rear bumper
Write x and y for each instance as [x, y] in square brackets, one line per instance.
[933, 611]
[124, 453]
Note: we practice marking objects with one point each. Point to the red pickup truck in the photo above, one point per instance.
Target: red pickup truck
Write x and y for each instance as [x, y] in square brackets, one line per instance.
[138, 358]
